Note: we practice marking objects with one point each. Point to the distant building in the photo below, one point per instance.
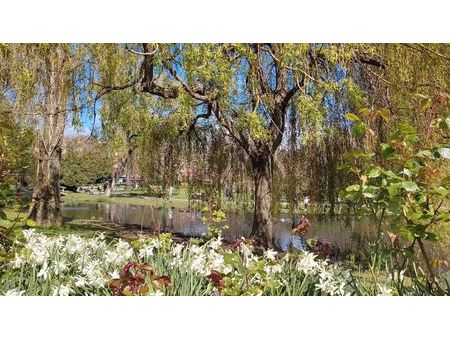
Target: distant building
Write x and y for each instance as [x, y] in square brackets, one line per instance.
[135, 180]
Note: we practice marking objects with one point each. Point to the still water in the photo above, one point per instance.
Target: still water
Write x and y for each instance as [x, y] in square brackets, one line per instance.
[348, 235]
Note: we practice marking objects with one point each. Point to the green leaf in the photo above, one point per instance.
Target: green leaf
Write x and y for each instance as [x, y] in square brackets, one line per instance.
[414, 216]
[445, 217]
[446, 182]
[3, 215]
[447, 123]
[413, 165]
[311, 241]
[406, 233]
[386, 150]
[363, 111]
[393, 189]
[441, 191]
[406, 129]
[394, 206]
[31, 223]
[409, 186]
[354, 187]
[425, 104]
[425, 153]
[384, 113]
[390, 173]
[375, 172]
[368, 195]
[359, 129]
[431, 236]
[352, 117]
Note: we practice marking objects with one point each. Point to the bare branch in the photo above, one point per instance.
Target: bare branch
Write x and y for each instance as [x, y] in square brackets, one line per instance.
[309, 76]
[142, 53]
[371, 61]
[194, 93]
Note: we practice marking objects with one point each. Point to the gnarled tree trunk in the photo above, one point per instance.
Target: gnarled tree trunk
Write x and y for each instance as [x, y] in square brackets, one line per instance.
[46, 208]
[262, 229]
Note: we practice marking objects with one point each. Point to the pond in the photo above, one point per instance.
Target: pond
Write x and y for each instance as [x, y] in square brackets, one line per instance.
[347, 235]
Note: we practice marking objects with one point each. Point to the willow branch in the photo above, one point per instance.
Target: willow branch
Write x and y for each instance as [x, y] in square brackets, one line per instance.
[142, 53]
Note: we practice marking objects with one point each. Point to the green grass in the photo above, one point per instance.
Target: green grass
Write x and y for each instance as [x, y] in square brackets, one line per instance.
[124, 197]
[83, 228]
[139, 198]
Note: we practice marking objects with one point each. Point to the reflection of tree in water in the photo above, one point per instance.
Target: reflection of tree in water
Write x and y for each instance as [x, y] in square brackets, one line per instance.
[112, 213]
[343, 231]
[170, 217]
[194, 229]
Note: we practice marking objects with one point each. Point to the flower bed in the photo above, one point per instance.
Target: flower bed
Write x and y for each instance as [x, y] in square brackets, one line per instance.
[72, 265]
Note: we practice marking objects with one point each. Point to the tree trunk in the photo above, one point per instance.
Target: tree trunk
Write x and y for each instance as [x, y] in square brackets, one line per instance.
[262, 229]
[118, 171]
[111, 184]
[46, 208]
[331, 173]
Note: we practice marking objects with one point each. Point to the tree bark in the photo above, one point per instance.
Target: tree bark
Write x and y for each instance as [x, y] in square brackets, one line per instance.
[262, 229]
[118, 171]
[46, 207]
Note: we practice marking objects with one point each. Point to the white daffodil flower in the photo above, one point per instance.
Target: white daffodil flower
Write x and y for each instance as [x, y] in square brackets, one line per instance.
[308, 264]
[177, 249]
[43, 272]
[270, 254]
[114, 274]
[17, 262]
[62, 290]
[157, 293]
[80, 282]
[14, 292]
[384, 290]
[215, 244]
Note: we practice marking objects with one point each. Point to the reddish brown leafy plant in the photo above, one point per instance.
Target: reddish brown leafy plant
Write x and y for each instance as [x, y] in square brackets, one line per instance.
[133, 280]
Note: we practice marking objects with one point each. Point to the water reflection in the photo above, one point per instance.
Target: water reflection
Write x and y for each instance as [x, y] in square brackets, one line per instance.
[346, 234]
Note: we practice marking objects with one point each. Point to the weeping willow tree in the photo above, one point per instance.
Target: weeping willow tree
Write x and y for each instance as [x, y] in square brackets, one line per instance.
[382, 87]
[159, 153]
[17, 159]
[45, 85]
[123, 111]
[404, 76]
[17, 138]
[247, 89]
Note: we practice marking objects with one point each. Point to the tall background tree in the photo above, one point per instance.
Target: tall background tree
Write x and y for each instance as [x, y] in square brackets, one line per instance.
[46, 84]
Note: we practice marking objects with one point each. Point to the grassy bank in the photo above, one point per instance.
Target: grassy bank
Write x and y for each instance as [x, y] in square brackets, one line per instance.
[126, 198]
[178, 201]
